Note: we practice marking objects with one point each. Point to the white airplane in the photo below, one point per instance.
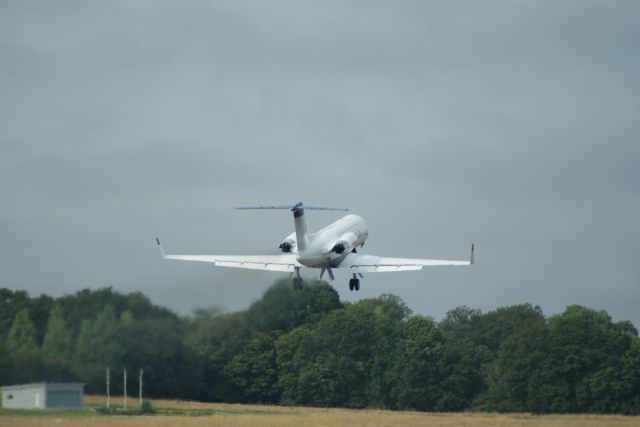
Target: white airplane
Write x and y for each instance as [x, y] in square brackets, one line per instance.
[335, 246]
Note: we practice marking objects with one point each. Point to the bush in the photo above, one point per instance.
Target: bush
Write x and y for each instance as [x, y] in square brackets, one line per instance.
[147, 407]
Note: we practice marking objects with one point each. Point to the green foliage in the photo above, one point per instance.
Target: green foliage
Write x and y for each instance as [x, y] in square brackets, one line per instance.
[344, 359]
[491, 329]
[97, 341]
[57, 344]
[253, 371]
[574, 362]
[515, 377]
[11, 302]
[283, 308]
[215, 342]
[147, 407]
[6, 367]
[419, 378]
[305, 347]
[583, 368]
[24, 354]
[21, 339]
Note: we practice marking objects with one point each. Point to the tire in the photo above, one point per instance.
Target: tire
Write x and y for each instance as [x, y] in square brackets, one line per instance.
[357, 284]
[351, 284]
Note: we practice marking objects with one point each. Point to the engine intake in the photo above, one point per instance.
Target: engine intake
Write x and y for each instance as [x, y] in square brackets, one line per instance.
[286, 247]
[338, 248]
[288, 243]
[345, 242]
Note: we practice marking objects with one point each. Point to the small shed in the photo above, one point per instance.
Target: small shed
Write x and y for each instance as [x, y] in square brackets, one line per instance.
[43, 395]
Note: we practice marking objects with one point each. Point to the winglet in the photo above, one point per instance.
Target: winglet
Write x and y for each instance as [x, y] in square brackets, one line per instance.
[473, 255]
[161, 250]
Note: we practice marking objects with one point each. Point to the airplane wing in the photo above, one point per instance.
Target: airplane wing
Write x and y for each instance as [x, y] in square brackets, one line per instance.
[284, 262]
[359, 263]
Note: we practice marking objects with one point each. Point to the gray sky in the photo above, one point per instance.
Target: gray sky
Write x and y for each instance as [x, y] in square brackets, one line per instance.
[514, 124]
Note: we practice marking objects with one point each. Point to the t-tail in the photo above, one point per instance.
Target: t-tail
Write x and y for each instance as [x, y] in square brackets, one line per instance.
[302, 231]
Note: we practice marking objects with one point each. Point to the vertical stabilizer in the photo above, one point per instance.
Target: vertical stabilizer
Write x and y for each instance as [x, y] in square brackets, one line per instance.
[302, 233]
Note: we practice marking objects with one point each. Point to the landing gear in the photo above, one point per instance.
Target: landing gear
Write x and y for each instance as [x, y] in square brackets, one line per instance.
[354, 283]
[297, 281]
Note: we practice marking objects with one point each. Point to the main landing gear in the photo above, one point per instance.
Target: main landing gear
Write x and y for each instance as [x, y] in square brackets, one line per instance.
[297, 281]
[354, 283]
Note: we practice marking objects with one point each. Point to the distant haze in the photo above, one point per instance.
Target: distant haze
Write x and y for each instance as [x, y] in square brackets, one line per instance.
[511, 124]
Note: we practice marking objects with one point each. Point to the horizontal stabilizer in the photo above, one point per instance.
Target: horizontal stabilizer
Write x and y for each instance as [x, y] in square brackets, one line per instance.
[292, 207]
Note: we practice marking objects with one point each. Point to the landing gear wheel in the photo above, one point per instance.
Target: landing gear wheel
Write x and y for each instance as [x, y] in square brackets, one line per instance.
[297, 283]
[356, 284]
[351, 286]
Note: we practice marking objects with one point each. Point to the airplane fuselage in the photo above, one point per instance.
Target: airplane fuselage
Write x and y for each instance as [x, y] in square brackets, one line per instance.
[334, 242]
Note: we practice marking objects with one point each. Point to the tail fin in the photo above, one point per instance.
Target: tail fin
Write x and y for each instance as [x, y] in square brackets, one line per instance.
[302, 233]
[161, 249]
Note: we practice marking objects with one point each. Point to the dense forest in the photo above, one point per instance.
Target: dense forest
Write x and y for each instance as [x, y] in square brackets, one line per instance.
[306, 347]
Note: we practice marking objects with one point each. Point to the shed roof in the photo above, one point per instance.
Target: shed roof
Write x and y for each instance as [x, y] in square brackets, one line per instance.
[32, 385]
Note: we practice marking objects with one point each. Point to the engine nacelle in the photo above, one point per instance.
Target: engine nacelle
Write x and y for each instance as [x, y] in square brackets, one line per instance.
[346, 241]
[289, 243]
[338, 248]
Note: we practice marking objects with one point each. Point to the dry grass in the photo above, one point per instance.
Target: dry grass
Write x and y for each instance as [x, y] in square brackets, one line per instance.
[278, 416]
[188, 405]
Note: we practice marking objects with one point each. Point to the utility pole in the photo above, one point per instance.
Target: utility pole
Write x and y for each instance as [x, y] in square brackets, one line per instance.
[125, 388]
[108, 390]
[140, 387]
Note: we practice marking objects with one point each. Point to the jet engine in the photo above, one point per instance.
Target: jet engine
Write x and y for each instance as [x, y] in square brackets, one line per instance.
[289, 243]
[347, 241]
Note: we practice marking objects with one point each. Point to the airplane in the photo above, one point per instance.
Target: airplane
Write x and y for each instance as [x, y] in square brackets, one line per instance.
[333, 247]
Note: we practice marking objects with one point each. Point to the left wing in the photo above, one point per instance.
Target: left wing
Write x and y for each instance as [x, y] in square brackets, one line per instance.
[284, 262]
[359, 263]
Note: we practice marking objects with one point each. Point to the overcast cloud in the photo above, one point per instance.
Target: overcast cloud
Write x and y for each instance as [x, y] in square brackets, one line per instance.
[514, 124]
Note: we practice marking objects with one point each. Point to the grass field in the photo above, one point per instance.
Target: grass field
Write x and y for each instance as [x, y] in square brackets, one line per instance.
[181, 413]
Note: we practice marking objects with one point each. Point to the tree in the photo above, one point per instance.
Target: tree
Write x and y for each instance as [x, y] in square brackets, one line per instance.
[515, 376]
[345, 358]
[21, 338]
[282, 308]
[11, 302]
[215, 342]
[419, 378]
[629, 394]
[56, 347]
[6, 365]
[586, 353]
[490, 329]
[157, 346]
[253, 371]
[462, 368]
[39, 309]
[97, 348]
[23, 351]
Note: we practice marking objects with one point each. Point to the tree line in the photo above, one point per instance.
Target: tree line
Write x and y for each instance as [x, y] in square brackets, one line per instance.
[306, 347]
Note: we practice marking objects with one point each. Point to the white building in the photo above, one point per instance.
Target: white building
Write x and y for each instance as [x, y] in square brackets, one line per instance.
[43, 395]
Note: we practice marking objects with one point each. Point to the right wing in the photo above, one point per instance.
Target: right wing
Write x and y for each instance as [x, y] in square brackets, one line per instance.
[360, 263]
[284, 262]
